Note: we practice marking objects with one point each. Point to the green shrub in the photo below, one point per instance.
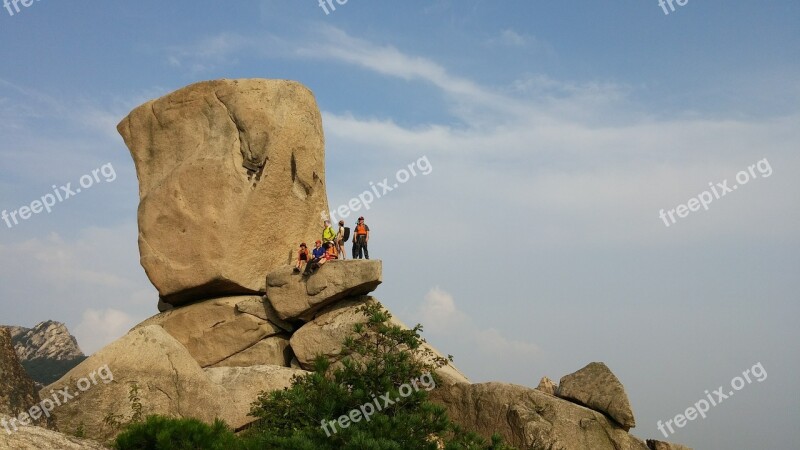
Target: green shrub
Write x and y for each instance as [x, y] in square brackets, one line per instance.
[163, 433]
[377, 360]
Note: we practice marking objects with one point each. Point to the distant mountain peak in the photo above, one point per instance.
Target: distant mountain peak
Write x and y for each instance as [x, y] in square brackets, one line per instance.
[47, 351]
[48, 339]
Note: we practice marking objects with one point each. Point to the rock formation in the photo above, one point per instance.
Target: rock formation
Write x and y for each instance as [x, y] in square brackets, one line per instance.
[300, 297]
[231, 180]
[597, 388]
[169, 381]
[35, 438]
[46, 351]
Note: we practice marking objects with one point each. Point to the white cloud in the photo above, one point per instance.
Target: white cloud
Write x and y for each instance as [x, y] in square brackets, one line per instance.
[442, 318]
[100, 327]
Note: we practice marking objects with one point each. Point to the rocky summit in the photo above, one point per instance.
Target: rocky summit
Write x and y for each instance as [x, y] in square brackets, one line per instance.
[232, 179]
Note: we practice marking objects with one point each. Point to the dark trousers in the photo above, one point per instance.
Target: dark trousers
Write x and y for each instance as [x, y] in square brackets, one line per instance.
[311, 266]
[360, 248]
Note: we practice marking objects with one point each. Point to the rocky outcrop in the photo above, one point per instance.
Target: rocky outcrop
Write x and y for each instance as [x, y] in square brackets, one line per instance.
[231, 179]
[596, 387]
[18, 393]
[530, 419]
[658, 445]
[169, 380]
[46, 351]
[36, 438]
[216, 330]
[325, 334]
[547, 386]
[297, 296]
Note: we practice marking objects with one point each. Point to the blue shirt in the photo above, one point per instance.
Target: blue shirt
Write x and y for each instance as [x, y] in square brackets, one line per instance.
[318, 252]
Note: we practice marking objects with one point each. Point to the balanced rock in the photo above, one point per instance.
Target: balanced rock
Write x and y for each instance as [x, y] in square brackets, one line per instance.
[529, 418]
[659, 445]
[169, 380]
[18, 392]
[294, 295]
[596, 387]
[324, 336]
[231, 180]
[216, 330]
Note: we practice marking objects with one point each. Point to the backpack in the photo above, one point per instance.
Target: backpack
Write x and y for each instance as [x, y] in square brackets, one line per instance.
[346, 234]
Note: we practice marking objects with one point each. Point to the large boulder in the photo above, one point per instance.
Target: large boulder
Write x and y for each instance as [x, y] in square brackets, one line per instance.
[244, 384]
[596, 387]
[36, 438]
[294, 295]
[18, 393]
[216, 330]
[326, 332]
[271, 351]
[530, 419]
[231, 180]
[169, 380]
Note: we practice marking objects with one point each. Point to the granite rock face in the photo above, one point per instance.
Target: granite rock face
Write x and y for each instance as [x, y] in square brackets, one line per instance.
[231, 180]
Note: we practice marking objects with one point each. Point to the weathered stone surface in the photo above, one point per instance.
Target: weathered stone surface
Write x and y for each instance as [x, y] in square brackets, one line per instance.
[244, 384]
[215, 330]
[170, 383]
[262, 308]
[324, 336]
[530, 419]
[231, 179]
[272, 351]
[35, 438]
[547, 386]
[294, 295]
[596, 387]
[17, 391]
[659, 445]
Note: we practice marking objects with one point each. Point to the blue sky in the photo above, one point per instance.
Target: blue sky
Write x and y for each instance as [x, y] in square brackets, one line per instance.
[557, 131]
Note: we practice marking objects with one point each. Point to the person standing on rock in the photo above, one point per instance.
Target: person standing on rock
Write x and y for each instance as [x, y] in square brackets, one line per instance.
[361, 240]
[340, 237]
[328, 235]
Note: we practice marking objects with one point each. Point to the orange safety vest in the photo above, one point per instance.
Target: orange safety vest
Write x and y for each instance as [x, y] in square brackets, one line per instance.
[361, 229]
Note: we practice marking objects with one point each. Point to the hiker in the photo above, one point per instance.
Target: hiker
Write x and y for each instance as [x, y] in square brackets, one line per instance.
[318, 254]
[330, 253]
[361, 240]
[328, 235]
[302, 257]
[355, 245]
[341, 237]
